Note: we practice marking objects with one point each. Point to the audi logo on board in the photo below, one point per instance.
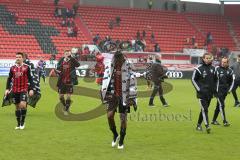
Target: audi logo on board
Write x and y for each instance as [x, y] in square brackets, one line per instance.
[174, 74]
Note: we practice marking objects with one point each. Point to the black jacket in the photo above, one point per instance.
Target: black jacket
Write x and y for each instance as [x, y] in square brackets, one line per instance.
[157, 72]
[204, 81]
[225, 80]
[236, 70]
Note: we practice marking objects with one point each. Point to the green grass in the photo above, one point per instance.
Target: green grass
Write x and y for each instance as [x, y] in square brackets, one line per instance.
[46, 137]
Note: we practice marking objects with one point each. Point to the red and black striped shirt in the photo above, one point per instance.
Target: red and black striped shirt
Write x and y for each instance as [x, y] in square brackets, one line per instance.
[19, 79]
[66, 72]
[118, 79]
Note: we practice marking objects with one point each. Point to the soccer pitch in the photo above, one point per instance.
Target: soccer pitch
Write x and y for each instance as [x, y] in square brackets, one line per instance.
[153, 133]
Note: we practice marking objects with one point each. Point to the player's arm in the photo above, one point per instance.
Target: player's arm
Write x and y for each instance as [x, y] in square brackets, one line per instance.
[44, 65]
[9, 81]
[231, 81]
[216, 78]
[195, 78]
[59, 66]
[30, 80]
[132, 87]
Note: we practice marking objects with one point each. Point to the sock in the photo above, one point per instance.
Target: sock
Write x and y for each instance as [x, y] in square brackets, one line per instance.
[215, 115]
[114, 131]
[200, 118]
[151, 101]
[18, 116]
[68, 102]
[62, 100]
[122, 136]
[163, 100]
[23, 116]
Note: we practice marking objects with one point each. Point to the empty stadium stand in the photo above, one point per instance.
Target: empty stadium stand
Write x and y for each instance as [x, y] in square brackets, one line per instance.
[170, 28]
[32, 28]
[215, 24]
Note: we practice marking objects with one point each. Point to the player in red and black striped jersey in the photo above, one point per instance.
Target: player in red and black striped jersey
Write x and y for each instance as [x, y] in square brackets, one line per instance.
[66, 69]
[18, 83]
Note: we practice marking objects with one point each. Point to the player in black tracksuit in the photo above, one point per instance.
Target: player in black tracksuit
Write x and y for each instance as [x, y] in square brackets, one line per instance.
[203, 79]
[225, 82]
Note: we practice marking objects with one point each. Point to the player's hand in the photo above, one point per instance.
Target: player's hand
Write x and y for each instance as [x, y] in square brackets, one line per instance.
[31, 93]
[7, 92]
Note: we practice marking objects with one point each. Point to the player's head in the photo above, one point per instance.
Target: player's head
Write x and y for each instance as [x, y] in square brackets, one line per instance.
[25, 56]
[224, 62]
[67, 53]
[207, 58]
[19, 57]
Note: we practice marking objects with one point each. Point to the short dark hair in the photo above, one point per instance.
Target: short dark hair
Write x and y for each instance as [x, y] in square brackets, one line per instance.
[67, 50]
[206, 54]
[20, 53]
[224, 58]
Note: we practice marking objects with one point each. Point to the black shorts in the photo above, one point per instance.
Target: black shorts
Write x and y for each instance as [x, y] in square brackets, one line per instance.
[65, 89]
[117, 105]
[19, 97]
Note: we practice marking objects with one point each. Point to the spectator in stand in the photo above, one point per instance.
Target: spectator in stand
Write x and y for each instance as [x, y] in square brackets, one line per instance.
[64, 23]
[184, 7]
[56, 2]
[111, 24]
[70, 31]
[68, 12]
[152, 37]
[72, 23]
[144, 44]
[16, 16]
[174, 6]
[56, 12]
[73, 13]
[75, 7]
[209, 38]
[193, 40]
[144, 34]
[133, 43]
[215, 61]
[150, 4]
[59, 12]
[157, 48]
[166, 5]
[68, 23]
[138, 35]
[96, 38]
[195, 46]
[75, 30]
[118, 20]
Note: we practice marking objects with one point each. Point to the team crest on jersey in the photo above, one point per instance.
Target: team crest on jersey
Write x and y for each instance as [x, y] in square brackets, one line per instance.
[24, 69]
[211, 70]
[18, 74]
[204, 74]
[66, 66]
